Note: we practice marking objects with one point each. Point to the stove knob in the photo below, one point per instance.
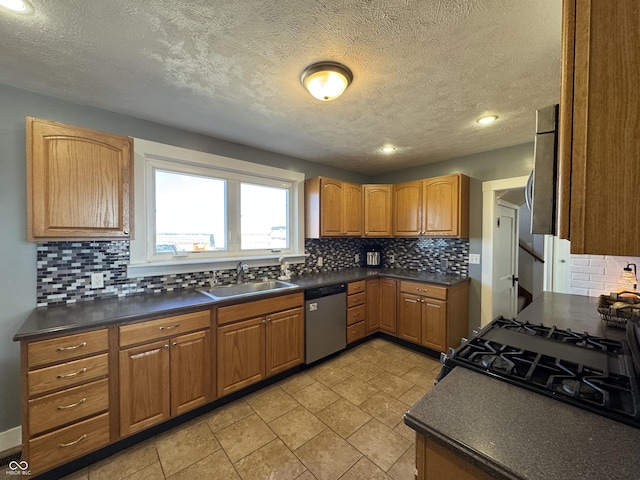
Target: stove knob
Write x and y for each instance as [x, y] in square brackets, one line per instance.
[464, 341]
[443, 357]
[451, 352]
[476, 333]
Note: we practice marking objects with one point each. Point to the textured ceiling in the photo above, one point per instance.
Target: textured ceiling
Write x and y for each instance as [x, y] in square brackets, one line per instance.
[424, 70]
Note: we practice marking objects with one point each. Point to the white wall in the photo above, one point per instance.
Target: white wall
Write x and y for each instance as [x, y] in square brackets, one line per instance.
[595, 275]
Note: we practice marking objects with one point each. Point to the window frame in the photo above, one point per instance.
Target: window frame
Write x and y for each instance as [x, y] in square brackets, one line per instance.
[149, 156]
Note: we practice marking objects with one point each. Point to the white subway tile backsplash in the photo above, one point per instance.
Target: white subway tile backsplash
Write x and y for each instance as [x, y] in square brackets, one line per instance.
[603, 272]
[580, 276]
[595, 270]
[579, 261]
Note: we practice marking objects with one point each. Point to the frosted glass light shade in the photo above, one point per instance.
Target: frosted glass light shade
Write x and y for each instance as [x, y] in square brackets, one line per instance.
[326, 81]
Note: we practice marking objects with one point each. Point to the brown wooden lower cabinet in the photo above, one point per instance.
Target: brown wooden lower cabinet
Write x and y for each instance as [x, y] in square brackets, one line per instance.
[284, 341]
[433, 316]
[253, 349]
[164, 369]
[190, 365]
[65, 398]
[241, 348]
[388, 305]
[161, 379]
[436, 462]
[374, 300]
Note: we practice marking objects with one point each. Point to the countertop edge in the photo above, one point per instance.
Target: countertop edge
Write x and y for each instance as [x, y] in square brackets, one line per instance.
[161, 304]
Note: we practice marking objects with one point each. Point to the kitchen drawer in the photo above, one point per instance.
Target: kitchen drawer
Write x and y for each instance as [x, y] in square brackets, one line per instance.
[424, 289]
[61, 408]
[356, 299]
[356, 314]
[163, 327]
[67, 374]
[356, 287]
[355, 332]
[258, 308]
[71, 442]
[67, 348]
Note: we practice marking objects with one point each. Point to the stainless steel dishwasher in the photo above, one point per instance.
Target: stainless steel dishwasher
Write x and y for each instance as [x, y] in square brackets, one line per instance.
[325, 321]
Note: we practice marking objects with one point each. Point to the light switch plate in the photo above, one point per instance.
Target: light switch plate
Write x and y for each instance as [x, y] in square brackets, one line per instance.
[474, 258]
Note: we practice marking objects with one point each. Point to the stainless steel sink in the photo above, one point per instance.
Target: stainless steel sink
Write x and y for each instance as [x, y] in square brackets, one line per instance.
[245, 289]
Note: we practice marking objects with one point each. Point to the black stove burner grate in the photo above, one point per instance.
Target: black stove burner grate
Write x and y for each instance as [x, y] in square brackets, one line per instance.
[595, 388]
[583, 340]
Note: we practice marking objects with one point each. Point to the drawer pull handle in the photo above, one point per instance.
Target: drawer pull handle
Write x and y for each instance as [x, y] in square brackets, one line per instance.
[66, 375]
[170, 327]
[70, 444]
[64, 407]
[72, 347]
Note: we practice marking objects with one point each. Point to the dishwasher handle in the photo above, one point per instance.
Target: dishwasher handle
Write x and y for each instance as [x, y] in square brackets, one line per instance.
[324, 291]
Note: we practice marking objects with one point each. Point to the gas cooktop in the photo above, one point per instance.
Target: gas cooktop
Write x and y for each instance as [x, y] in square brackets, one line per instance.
[589, 372]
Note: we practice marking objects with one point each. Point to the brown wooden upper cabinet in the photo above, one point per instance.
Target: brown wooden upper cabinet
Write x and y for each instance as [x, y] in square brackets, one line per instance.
[599, 129]
[377, 210]
[436, 206]
[79, 183]
[333, 208]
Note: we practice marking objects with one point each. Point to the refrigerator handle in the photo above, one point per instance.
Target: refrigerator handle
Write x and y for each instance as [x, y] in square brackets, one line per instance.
[528, 191]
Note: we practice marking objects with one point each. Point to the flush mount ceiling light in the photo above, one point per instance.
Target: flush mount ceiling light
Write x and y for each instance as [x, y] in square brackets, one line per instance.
[486, 119]
[17, 6]
[326, 80]
[388, 149]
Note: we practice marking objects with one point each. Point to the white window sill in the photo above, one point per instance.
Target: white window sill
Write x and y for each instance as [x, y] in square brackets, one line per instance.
[190, 265]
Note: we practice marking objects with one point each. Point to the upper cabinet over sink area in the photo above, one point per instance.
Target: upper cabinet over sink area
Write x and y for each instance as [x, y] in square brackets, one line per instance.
[436, 207]
[79, 183]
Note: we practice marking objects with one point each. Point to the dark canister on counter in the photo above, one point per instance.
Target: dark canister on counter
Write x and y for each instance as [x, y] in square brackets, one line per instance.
[372, 256]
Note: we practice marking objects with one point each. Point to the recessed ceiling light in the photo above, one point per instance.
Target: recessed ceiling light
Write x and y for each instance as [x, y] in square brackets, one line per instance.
[388, 149]
[486, 119]
[18, 6]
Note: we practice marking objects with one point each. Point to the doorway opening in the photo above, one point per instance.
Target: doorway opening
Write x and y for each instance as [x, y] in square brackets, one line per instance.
[513, 270]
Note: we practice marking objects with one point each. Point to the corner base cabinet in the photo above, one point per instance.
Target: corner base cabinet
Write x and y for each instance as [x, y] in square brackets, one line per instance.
[433, 316]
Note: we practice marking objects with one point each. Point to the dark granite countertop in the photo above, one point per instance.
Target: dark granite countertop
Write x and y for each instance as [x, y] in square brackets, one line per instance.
[98, 313]
[517, 434]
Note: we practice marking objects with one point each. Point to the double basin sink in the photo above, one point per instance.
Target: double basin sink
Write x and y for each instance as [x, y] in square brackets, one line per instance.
[247, 289]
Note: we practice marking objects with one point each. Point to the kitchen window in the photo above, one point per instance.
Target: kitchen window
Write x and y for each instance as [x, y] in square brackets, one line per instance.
[196, 211]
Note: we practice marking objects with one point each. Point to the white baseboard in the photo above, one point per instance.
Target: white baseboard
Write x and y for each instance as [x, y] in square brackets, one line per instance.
[10, 439]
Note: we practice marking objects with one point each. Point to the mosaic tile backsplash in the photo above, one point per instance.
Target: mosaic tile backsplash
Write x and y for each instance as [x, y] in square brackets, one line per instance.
[64, 268]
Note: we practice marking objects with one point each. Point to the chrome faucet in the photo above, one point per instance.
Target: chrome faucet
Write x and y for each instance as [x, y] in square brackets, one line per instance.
[240, 269]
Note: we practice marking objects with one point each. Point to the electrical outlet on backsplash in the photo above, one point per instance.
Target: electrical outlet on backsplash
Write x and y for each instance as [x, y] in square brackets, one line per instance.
[64, 268]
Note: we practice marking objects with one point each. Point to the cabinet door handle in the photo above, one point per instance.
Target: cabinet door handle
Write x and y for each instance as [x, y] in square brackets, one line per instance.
[67, 375]
[126, 232]
[175, 344]
[72, 347]
[165, 345]
[74, 442]
[64, 407]
[170, 327]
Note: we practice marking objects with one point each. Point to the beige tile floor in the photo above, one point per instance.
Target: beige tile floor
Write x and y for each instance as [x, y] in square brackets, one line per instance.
[341, 419]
